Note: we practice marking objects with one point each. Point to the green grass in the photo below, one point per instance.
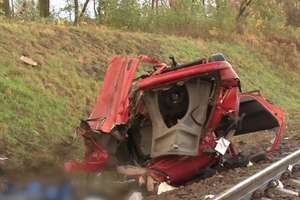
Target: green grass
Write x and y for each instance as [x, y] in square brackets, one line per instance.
[41, 106]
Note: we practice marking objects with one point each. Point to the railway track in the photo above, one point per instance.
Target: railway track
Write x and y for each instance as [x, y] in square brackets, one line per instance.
[282, 178]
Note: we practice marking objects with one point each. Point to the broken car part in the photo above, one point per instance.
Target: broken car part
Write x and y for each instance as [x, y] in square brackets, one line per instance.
[172, 122]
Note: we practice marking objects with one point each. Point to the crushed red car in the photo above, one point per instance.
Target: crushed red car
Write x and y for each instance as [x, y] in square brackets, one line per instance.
[172, 122]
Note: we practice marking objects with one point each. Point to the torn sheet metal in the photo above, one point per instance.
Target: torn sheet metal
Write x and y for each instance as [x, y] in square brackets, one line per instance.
[173, 120]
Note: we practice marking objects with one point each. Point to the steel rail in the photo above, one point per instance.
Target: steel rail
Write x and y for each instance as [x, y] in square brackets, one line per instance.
[260, 180]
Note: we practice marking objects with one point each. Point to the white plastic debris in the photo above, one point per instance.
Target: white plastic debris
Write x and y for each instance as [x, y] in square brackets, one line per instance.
[99, 174]
[222, 145]
[3, 158]
[28, 61]
[280, 185]
[136, 196]
[164, 187]
[250, 164]
[290, 168]
[209, 196]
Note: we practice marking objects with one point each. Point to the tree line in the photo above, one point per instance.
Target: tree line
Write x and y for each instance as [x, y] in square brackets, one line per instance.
[8, 7]
[163, 15]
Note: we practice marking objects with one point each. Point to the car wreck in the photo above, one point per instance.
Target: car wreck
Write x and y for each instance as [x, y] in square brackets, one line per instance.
[171, 122]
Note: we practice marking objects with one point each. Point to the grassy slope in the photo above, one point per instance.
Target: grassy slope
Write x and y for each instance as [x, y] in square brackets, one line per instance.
[41, 106]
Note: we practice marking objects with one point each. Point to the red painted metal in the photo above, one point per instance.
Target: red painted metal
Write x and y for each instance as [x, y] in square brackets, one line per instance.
[112, 108]
[277, 113]
[180, 74]
[226, 103]
[94, 159]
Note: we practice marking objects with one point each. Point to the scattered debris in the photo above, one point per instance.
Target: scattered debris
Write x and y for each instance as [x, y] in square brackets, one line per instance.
[28, 61]
[136, 196]
[172, 122]
[250, 164]
[222, 145]
[164, 187]
[99, 174]
[209, 196]
[3, 159]
[290, 168]
[280, 184]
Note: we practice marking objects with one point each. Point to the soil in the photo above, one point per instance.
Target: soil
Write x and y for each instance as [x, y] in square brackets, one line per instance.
[224, 179]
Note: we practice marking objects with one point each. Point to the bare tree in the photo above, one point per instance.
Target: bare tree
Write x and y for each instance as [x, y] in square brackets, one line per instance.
[6, 7]
[1, 5]
[76, 12]
[44, 6]
[154, 4]
[175, 4]
[243, 8]
[95, 8]
[242, 14]
[84, 8]
[12, 8]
